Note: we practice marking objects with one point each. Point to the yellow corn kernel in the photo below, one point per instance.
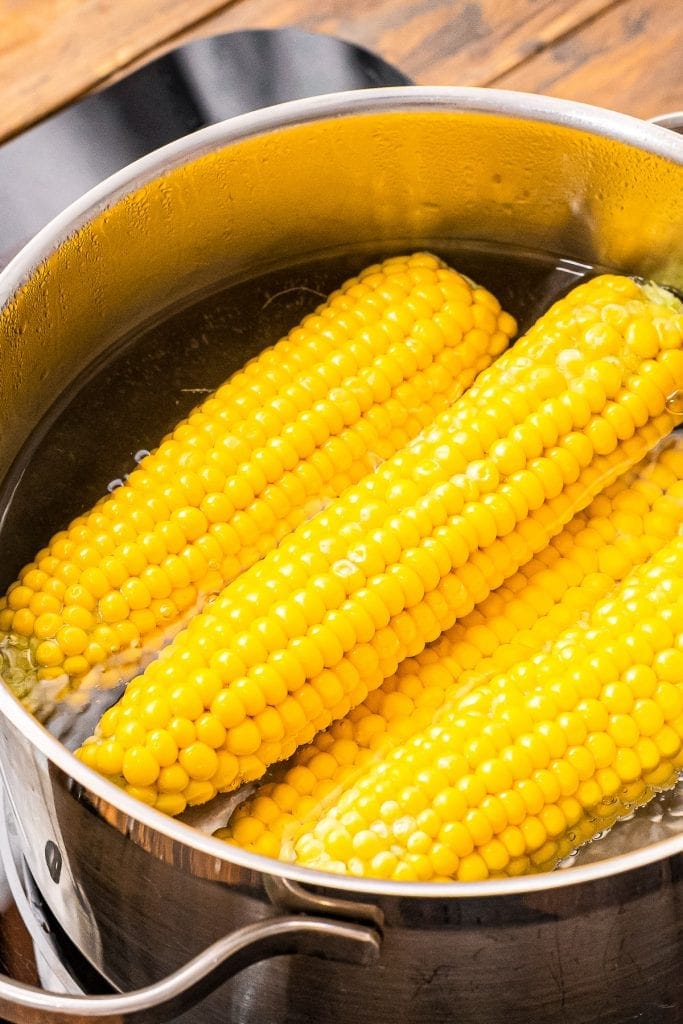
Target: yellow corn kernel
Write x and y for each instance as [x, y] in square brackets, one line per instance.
[355, 381]
[423, 516]
[442, 756]
[481, 646]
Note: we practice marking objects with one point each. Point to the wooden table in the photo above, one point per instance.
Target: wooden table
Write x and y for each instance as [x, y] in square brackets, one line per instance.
[623, 54]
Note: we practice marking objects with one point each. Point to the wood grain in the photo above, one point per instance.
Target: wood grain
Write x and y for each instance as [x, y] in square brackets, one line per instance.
[53, 50]
[628, 58]
[625, 54]
[433, 41]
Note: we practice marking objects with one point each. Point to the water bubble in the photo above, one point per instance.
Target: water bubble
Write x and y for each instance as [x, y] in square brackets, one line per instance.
[568, 861]
[140, 455]
[674, 403]
[113, 485]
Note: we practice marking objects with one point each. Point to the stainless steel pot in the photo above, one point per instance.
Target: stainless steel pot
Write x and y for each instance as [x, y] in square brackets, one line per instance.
[141, 895]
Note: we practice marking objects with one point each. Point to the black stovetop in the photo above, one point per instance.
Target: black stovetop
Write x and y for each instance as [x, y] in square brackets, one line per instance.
[206, 81]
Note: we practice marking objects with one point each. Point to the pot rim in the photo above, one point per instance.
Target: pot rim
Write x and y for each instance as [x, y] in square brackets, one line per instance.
[400, 99]
[644, 135]
[134, 811]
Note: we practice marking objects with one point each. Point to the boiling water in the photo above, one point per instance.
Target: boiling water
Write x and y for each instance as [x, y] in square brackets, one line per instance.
[126, 402]
[122, 406]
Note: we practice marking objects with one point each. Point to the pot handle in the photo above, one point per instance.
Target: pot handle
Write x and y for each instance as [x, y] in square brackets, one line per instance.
[181, 990]
[674, 121]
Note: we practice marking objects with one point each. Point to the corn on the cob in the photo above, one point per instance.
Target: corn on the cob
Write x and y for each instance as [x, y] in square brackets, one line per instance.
[621, 529]
[536, 761]
[304, 635]
[358, 379]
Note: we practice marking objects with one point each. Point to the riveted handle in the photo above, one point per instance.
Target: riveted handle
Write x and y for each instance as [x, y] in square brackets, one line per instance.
[184, 988]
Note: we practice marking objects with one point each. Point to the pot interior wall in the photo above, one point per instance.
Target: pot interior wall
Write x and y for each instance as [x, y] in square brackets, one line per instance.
[359, 180]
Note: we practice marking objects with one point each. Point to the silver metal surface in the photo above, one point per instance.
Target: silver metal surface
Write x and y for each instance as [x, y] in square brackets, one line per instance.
[598, 942]
[287, 934]
[166, 999]
[672, 120]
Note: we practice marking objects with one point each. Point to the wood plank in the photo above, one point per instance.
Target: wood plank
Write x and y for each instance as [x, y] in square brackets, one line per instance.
[629, 58]
[53, 50]
[518, 36]
[432, 41]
